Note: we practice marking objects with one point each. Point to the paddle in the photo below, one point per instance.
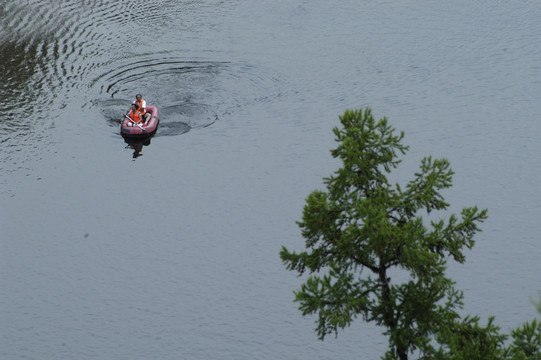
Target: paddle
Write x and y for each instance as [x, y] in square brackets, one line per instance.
[137, 124]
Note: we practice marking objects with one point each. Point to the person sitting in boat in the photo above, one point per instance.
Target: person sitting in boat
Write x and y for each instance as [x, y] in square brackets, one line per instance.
[135, 114]
[142, 104]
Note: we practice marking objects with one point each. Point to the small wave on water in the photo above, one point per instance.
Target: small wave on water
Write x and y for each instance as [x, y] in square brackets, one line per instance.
[186, 92]
[190, 93]
[89, 54]
[47, 50]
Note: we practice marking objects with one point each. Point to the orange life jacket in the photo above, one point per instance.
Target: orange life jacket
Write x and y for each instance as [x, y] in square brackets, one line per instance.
[136, 115]
[140, 103]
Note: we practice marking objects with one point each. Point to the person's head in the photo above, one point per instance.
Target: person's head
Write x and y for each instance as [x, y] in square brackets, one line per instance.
[135, 106]
[138, 97]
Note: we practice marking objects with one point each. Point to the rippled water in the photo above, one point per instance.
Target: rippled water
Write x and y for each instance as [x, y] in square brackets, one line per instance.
[170, 250]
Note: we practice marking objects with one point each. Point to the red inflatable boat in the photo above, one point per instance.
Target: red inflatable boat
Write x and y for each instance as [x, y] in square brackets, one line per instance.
[130, 129]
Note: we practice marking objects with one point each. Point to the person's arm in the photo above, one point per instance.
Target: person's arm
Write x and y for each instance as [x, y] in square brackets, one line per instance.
[130, 109]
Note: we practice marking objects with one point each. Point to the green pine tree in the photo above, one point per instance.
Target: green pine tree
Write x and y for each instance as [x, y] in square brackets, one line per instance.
[363, 230]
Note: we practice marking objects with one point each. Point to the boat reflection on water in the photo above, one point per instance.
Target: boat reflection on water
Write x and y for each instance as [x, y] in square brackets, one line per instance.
[137, 145]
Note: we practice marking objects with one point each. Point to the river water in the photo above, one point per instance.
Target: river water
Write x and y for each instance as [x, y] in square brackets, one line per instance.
[169, 249]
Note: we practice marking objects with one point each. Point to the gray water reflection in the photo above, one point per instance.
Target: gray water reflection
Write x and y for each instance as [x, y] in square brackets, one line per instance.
[174, 254]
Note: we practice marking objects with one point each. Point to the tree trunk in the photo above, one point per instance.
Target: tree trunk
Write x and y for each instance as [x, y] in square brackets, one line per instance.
[390, 317]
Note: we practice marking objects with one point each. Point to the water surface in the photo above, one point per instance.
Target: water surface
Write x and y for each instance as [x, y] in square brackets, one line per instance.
[173, 254]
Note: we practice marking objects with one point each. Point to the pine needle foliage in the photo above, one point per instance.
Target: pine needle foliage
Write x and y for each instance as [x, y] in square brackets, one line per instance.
[362, 229]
